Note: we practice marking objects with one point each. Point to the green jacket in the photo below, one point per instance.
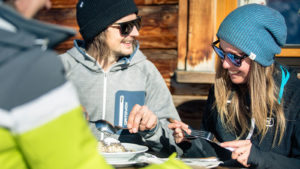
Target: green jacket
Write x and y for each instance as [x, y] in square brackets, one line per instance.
[41, 121]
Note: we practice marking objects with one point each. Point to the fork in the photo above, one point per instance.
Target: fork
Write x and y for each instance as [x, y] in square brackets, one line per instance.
[195, 133]
[199, 133]
[206, 135]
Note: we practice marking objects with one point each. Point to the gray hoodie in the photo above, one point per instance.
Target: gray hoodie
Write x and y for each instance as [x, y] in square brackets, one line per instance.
[111, 95]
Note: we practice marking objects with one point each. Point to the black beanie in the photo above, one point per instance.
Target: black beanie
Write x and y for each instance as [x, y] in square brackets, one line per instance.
[94, 16]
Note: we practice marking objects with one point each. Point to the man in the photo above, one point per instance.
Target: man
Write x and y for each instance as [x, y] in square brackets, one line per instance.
[41, 122]
[115, 80]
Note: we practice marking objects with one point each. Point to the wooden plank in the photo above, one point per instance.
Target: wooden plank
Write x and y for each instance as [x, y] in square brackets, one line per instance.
[196, 89]
[200, 35]
[165, 61]
[159, 25]
[64, 16]
[195, 77]
[64, 3]
[294, 61]
[182, 33]
[289, 52]
[224, 7]
[72, 3]
[181, 99]
[155, 2]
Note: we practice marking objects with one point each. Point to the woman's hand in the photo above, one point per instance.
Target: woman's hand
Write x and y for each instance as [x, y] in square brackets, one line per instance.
[179, 127]
[141, 119]
[241, 151]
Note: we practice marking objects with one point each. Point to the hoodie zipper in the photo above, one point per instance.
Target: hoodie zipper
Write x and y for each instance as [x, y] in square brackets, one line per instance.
[104, 101]
[104, 95]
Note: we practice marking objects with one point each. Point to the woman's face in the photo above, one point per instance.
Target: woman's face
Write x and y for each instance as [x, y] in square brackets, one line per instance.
[238, 75]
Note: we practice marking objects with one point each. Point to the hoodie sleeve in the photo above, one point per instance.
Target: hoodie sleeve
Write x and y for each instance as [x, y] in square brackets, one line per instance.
[159, 101]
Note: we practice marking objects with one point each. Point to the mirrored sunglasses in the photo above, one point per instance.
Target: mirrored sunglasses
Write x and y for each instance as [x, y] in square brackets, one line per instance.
[236, 60]
[127, 27]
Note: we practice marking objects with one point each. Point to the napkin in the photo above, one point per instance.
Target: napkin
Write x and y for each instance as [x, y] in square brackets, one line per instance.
[197, 162]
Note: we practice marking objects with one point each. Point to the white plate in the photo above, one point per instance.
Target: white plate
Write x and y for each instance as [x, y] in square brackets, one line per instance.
[123, 163]
[123, 158]
[207, 163]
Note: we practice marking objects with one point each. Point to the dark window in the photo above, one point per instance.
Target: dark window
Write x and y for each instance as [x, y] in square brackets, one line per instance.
[290, 9]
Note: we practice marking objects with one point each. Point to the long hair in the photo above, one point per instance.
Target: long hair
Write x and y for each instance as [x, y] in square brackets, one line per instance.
[263, 92]
[98, 47]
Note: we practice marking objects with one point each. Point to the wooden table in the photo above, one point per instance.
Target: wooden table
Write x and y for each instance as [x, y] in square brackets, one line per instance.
[219, 167]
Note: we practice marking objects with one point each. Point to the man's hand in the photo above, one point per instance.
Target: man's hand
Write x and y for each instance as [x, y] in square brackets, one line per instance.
[241, 151]
[141, 119]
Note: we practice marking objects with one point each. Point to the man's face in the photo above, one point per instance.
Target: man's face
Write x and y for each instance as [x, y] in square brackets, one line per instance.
[121, 45]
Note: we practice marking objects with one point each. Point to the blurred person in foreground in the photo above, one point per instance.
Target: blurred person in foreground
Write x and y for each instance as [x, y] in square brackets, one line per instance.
[254, 105]
[114, 79]
[41, 121]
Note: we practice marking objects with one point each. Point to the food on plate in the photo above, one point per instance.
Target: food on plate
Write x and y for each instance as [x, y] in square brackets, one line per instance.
[111, 145]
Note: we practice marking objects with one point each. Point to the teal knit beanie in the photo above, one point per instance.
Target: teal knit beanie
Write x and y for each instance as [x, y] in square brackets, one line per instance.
[257, 30]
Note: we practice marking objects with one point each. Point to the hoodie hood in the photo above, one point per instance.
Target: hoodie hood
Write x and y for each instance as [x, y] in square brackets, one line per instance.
[79, 54]
[35, 32]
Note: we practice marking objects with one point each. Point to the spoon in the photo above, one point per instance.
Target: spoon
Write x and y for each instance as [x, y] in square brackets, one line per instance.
[105, 126]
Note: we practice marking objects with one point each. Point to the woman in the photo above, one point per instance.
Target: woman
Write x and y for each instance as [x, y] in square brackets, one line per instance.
[254, 104]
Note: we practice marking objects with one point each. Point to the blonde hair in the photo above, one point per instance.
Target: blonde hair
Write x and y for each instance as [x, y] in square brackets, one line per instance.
[263, 92]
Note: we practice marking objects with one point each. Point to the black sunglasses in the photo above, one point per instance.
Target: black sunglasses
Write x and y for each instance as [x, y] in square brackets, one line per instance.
[236, 60]
[127, 27]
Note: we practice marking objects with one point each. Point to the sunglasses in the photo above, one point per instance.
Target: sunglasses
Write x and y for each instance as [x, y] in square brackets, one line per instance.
[127, 27]
[236, 60]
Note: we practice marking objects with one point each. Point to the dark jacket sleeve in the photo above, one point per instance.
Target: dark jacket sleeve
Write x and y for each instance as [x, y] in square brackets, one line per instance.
[264, 160]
